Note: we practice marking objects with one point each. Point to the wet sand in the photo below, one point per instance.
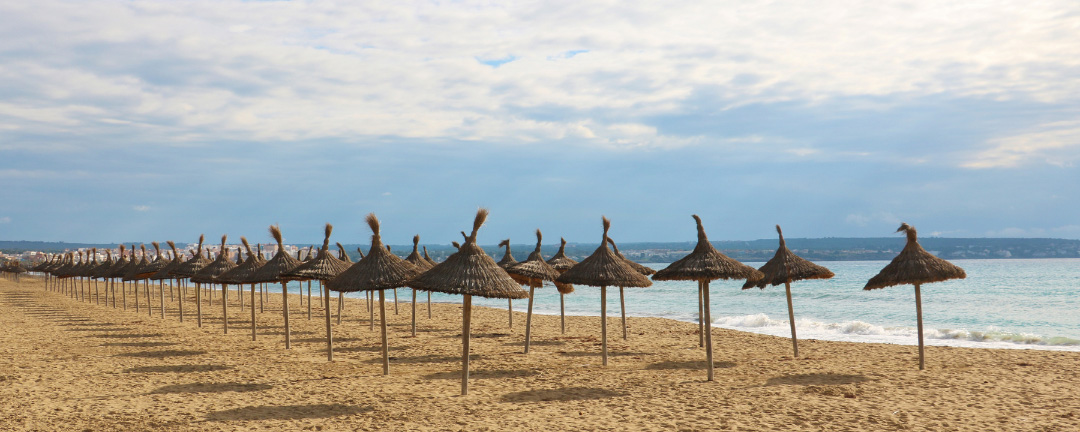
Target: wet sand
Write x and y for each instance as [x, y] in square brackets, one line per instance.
[70, 365]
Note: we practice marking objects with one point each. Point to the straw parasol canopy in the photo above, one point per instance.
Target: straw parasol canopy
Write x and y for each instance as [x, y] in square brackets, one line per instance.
[603, 269]
[428, 257]
[133, 266]
[153, 267]
[241, 274]
[560, 261]
[914, 265]
[379, 270]
[170, 265]
[323, 267]
[193, 265]
[534, 271]
[640, 268]
[342, 255]
[219, 266]
[469, 272]
[415, 259]
[275, 270]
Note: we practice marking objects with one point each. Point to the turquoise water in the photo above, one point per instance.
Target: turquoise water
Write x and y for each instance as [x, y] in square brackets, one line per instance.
[1032, 303]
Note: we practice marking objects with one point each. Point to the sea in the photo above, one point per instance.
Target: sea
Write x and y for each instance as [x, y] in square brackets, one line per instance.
[1003, 303]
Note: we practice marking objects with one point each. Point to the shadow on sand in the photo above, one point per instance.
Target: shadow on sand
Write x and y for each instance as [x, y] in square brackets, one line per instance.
[138, 344]
[212, 388]
[482, 374]
[562, 394]
[162, 353]
[694, 365]
[287, 412]
[817, 379]
[191, 368]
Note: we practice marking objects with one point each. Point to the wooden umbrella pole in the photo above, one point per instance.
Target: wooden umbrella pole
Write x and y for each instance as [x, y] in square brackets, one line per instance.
[146, 288]
[252, 311]
[562, 312]
[161, 297]
[371, 312]
[382, 325]
[308, 299]
[603, 321]
[225, 308]
[918, 313]
[466, 321]
[429, 304]
[510, 310]
[340, 301]
[700, 315]
[136, 298]
[708, 328]
[528, 319]
[97, 294]
[262, 296]
[198, 304]
[622, 307]
[285, 311]
[123, 291]
[113, 293]
[791, 318]
[180, 303]
[329, 334]
[395, 302]
[414, 313]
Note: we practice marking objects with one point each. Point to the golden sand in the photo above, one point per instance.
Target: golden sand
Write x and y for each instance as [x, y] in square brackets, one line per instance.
[72, 365]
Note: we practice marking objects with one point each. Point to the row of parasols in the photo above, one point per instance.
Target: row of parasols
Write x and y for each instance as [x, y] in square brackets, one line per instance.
[471, 272]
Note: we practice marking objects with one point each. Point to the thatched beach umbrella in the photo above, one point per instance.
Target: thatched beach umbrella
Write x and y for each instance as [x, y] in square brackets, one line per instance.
[622, 295]
[165, 273]
[188, 269]
[242, 274]
[209, 274]
[784, 268]
[323, 268]
[380, 270]
[275, 270]
[152, 268]
[561, 263]
[705, 264]
[535, 271]
[914, 265]
[603, 269]
[134, 270]
[423, 265]
[506, 261]
[469, 272]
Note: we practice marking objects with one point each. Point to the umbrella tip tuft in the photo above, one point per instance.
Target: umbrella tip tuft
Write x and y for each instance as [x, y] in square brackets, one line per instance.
[223, 237]
[607, 225]
[275, 232]
[539, 238]
[700, 228]
[481, 217]
[505, 243]
[456, 245]
[415, 240]
[373, 222]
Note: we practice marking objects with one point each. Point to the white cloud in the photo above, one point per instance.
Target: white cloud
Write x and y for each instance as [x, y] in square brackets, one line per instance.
[295, 70]
[141, 208]
[1055, 144]
[5, 219]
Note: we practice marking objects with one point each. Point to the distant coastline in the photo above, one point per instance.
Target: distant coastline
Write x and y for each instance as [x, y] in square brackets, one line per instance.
[816, 249]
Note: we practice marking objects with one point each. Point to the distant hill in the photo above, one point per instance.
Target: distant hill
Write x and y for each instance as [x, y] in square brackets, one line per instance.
[819, 249]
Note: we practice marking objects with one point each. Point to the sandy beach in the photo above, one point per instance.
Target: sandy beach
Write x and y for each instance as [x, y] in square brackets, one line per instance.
[76, 366]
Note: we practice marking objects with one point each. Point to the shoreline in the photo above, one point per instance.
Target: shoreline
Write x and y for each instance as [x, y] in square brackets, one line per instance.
[77, 366]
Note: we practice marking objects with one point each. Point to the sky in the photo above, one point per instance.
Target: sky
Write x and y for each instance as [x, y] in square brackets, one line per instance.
[154, 120]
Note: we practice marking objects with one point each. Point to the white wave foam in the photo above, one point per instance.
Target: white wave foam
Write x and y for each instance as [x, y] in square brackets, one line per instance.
[859, 331]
